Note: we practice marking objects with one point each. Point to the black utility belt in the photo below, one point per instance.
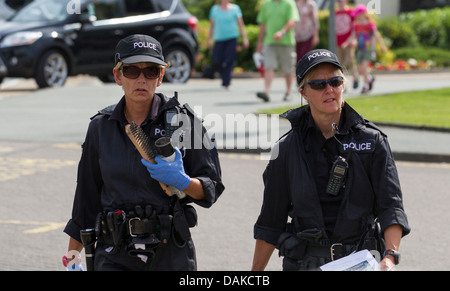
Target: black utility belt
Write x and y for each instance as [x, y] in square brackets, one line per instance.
[142, 227]
[290, 245]
[116, 228]
[332, 252]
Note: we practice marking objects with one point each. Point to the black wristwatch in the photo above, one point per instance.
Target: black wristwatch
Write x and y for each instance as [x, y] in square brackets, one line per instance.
[393, 253]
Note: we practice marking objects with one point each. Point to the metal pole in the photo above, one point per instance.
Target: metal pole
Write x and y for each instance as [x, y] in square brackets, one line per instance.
[332, 28]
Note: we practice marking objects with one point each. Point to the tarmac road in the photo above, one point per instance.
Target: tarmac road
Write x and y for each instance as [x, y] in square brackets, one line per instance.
[37, 182]
[224, 236]
[40, 137]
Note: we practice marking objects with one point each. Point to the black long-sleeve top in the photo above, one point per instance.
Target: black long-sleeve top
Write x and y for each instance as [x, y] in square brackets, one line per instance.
[112, 177]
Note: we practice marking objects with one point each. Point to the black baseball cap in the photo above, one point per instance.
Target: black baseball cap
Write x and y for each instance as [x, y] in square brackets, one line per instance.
[139, 48]
[312, 59]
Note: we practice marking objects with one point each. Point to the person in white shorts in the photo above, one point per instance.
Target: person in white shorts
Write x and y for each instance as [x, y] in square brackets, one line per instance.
[276, 41]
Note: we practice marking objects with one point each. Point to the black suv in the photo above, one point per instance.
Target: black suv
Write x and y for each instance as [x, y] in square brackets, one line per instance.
[49, 40]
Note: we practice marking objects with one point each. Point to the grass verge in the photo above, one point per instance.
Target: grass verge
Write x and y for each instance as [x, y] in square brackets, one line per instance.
[429, 108]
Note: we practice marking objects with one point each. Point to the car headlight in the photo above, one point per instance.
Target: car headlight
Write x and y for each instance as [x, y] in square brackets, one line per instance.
[21, 38]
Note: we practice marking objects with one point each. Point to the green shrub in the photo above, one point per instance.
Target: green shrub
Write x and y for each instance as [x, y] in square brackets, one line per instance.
[398, 32]
[323, 32]
[431, 26]
[423, 35]
[425, 27]
[202, 35]
[439, 57]
[245, 56]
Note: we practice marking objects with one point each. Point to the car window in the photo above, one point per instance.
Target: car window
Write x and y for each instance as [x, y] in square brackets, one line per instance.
[104, 9]
[163, 5]
[42, 11]
[138, 7]
[16, 4]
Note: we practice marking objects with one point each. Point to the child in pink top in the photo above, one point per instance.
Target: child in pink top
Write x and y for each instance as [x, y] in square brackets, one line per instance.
[366, 34]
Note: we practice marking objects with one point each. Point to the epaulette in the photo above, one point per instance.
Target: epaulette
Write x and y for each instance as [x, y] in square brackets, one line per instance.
[187, 109]
[105, 111]
[373, 126]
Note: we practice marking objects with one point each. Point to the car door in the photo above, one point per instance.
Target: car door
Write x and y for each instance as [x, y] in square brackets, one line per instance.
[115, 19]
[98, 36]
[143, 17]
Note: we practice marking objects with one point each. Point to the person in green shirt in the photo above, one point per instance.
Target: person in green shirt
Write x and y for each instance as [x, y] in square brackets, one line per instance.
[276, 42]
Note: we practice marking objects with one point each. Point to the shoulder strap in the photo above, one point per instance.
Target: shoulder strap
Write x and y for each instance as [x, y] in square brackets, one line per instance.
[373, 126]
[188, 110]
[105, 111]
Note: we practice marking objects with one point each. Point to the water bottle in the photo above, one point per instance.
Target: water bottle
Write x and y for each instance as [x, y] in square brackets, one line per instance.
[259, 62]
[74, 265]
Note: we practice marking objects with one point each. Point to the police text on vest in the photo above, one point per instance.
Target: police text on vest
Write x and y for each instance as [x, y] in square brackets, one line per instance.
[358, 146]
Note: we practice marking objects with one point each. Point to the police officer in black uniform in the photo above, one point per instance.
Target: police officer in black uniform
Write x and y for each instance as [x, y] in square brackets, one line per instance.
[137, 225]
[334, 178]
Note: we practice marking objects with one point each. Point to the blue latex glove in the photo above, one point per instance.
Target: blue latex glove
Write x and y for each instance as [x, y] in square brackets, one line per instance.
[169, 173]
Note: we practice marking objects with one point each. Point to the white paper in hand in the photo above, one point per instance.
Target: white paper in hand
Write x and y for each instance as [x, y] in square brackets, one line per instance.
[359, 261]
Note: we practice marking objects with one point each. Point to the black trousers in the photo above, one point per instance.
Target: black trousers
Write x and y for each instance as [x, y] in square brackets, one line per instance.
[224, 59]
[173, 257]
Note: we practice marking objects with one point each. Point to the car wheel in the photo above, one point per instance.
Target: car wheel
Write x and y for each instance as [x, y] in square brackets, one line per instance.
[52, 70]
[180, 67]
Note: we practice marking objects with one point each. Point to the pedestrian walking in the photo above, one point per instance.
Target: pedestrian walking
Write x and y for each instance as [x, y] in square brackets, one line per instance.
[307, 29]
[276, 42]
[333, 188]
[226, 25]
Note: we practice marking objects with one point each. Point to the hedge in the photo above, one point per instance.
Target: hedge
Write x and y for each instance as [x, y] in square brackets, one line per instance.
[429, 28]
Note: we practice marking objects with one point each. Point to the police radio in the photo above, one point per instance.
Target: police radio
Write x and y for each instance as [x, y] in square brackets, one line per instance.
[172, 121]
[337, 176]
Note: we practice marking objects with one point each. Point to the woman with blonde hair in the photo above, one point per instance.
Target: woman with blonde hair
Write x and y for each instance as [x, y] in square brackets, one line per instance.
[333, 189]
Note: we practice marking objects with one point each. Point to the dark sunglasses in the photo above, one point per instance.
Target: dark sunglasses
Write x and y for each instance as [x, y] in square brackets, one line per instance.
[322, 84]
[133, 72]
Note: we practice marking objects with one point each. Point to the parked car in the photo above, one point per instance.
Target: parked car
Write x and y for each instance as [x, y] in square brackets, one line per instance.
[49, 40]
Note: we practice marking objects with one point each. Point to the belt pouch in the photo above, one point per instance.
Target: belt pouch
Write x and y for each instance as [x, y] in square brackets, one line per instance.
[116, 226]
[290, 246]
[180, 223]
[191, 215]
[165, 227]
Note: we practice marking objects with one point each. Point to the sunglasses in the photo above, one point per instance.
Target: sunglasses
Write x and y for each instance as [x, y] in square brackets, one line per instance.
[132, 72]
[322, 84]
